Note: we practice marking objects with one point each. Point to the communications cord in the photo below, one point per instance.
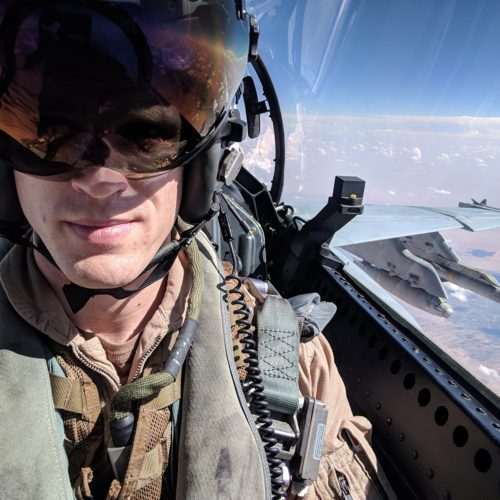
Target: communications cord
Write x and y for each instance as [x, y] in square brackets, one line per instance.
[253, 388]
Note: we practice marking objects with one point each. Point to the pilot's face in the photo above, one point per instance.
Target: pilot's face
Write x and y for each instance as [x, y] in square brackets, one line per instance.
[101, 224]
[101, 228]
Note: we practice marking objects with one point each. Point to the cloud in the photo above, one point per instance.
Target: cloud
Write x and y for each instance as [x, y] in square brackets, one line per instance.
[480, 162]
[392, 192]
[439, 191]
[416, 154]
[295, 142]
[457, 292]
[491, 372]
[444, 157]
[261, 156]
[322, 151]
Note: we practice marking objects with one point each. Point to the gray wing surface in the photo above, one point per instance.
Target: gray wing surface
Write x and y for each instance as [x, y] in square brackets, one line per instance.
[399, 249]
[379, 222]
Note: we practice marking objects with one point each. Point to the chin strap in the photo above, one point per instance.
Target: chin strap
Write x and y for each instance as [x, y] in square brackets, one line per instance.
[78, 296]
[21, 235]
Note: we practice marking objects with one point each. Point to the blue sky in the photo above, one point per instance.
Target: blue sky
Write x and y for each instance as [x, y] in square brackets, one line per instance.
[424, 57]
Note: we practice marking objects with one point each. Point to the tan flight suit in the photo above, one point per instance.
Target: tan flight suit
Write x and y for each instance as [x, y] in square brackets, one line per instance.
[34, 301]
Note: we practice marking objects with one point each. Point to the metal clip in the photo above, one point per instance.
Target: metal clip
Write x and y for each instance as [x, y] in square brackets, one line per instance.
[305, 464]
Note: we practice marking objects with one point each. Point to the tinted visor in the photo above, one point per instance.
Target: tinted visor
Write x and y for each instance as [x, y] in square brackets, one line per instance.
[137, 86]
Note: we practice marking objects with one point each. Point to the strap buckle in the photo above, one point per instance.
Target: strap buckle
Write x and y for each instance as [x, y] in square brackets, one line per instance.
[300, 442]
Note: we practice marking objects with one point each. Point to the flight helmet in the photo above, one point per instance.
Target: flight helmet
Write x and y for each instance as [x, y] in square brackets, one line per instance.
[69, 69]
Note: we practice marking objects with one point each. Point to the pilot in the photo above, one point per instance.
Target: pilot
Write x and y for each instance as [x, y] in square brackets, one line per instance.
[113, 120]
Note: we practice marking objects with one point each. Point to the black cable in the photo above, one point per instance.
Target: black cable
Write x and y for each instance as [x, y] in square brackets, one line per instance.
[254, 388]
[244, 225]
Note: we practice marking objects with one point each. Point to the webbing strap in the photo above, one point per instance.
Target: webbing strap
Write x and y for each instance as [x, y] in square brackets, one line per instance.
[67, 394]
[168, 395]
[278, 345]
[152, 466]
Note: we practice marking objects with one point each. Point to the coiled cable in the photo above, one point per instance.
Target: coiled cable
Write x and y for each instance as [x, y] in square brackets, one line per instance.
[253, 388]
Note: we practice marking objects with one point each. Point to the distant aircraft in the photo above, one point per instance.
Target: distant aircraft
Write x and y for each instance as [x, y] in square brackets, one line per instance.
[478, 204]
[400, 248]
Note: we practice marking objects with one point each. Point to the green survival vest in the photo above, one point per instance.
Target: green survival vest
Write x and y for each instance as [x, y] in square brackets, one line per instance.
[220, 455]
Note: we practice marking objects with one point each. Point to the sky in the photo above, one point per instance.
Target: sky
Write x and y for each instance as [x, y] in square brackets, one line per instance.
[386, 57]
[406, 95]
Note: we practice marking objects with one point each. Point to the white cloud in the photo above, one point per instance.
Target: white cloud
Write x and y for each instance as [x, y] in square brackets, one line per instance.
[295, 142]
[322, 151]
[480, 162]
[439, 191]
[491, 372]
[260, 157]
[403, 154]
[392, 192]
[457, 292]
[416, 154]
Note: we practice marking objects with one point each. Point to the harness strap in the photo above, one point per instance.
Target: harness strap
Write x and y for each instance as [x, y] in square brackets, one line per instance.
[67, 394]
[168, 395]
[152, 466]
[278, 347]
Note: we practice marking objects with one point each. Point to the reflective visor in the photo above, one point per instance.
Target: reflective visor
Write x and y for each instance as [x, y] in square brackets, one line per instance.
[132, 85]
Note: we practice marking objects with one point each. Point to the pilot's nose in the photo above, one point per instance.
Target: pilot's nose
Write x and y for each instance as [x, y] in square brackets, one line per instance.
[104, 179]
[99, 182]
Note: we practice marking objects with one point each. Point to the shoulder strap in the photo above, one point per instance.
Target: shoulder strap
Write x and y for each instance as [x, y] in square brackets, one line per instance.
[55, 371]
[278, 348]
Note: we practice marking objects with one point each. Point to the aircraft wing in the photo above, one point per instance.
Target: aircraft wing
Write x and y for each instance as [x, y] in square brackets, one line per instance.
[380, 222]
[400, 248]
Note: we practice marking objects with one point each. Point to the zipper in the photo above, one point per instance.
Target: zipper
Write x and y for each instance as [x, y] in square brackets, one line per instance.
[345, 491]
[101, 371]
[146, 355]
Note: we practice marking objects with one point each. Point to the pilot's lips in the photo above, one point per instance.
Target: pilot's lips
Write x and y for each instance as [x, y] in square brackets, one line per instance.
[103, 232]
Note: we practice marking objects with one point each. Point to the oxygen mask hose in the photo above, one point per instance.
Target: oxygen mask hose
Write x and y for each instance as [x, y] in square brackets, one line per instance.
[122, 416]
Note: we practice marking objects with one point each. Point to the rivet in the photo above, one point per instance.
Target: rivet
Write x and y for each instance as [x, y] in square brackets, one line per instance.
[389, 421]
[378, 406]
[446, 495]
[368, 393]
[430, 473]
[401, 437]
[414, 454]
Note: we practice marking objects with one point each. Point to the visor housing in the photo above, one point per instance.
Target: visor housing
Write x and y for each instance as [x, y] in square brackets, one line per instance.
[138, 85]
